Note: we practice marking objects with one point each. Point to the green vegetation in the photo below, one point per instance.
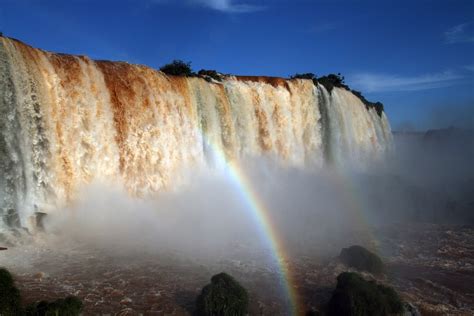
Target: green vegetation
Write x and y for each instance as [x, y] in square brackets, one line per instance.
[9, 295]
[178, 68]
[207, 74]
[378, 106]
[70, 306]
[337, 80]
[355, 296]
[362, 259]
[308, 75]
[330, 81]
[10, 302]
[223, 296]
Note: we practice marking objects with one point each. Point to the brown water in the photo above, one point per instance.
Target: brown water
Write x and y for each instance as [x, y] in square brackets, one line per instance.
[67, 121]
[432, 266]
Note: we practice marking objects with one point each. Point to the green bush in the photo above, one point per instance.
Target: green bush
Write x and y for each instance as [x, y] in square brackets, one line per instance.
[378, 106]
[308, 75]
[330, 81]
[337, 80]
[70, 306]
[223, 296]
[355, 296]
[178, 68]
[206, 74]
[362, 259]
[10, 301]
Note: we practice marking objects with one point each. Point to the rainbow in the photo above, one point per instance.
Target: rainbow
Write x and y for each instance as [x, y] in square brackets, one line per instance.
[262, 217]
[69, 121]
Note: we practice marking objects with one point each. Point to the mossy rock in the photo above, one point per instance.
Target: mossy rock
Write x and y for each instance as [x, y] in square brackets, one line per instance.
[355, 296]
[361, 259]
[224, 296]
[10, 301]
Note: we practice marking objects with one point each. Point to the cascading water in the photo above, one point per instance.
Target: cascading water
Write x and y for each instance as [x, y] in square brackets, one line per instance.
[67, 121]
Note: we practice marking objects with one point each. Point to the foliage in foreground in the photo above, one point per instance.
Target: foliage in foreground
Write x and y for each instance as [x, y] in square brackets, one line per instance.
[224, 296]
[10, 301]
[355, 296]
[362, 259]
[70, 306]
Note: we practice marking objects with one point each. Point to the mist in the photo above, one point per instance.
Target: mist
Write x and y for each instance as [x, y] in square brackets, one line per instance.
[178, 238]
[208, 217]
[427, 178]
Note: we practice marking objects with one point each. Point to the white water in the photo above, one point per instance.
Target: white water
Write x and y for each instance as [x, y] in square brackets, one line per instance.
[67, 121]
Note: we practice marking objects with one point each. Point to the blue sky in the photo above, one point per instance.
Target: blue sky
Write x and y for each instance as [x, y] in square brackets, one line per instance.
[417, 57]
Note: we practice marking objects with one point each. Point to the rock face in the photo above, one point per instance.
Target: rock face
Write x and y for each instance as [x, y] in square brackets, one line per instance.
[9, 294]
[410, 310]
[66, 121]
[356, 296]
[223, 296]
[361, 259]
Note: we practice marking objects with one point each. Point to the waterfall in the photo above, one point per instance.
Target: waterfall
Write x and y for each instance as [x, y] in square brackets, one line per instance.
[67, 121]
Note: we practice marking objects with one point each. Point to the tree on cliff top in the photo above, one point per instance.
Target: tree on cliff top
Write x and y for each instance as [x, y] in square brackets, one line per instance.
[332, 80]
[308, 75]
[177, 68]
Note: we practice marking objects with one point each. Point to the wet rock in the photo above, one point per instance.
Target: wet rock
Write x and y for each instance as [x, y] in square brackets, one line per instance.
[410, 310]
[39, 220]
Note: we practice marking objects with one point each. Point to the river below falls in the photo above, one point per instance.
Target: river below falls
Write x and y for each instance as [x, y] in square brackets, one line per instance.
[432, 266]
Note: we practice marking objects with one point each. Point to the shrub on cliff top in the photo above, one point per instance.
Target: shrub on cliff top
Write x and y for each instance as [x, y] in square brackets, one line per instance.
[9, 295]
[206, 74]
[362, 259]
[337, 80]
[355, 296]
[330, 81]
[308, 75]
[224, 296]
[177, 68]
[378, 106]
